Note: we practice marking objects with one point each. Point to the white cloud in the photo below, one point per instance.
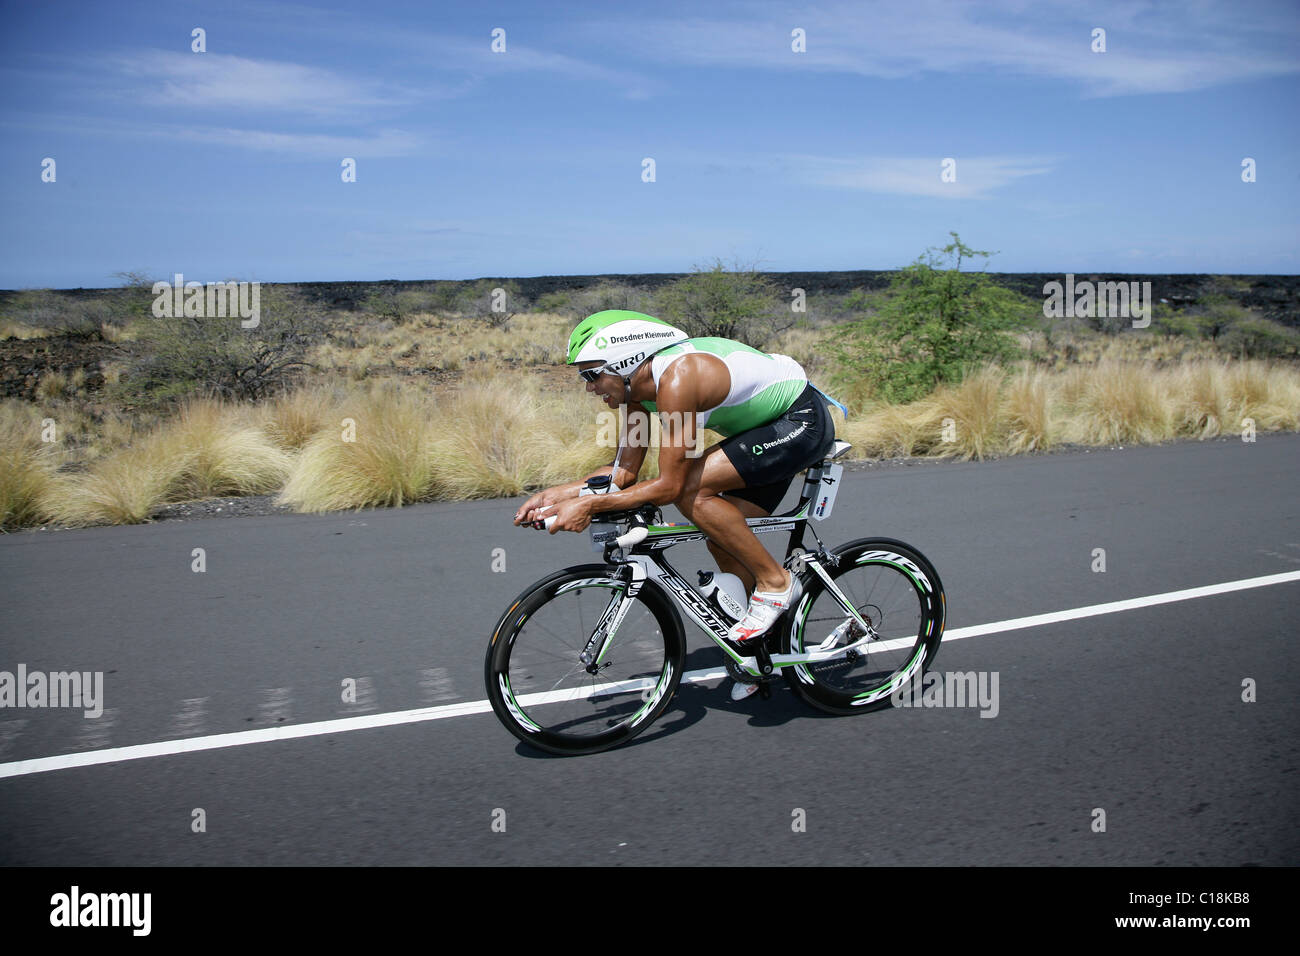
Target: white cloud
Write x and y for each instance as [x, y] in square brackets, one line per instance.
[389, 142]
[220, 81]
[1151, 48]
[976, 177]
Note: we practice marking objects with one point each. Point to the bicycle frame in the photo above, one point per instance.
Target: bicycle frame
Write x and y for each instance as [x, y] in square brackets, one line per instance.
[644, 561]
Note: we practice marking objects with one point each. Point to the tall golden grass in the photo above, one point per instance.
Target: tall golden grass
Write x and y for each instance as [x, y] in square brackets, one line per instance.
[494, 436]
[211, 448]
[1001, 411]
[27, 465]
[389, 442]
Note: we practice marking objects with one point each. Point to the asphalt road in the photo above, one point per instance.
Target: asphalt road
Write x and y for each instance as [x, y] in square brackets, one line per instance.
[1138, 713]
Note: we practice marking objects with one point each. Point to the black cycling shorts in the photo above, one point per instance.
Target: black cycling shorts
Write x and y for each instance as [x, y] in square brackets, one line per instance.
[769, 456]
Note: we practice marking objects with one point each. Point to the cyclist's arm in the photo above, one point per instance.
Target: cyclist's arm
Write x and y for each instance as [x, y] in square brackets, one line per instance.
[630, 459]
[631, 456]
[678, 400]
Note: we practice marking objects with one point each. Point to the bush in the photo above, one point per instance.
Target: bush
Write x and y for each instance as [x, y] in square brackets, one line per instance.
[740, 304]
[932, 326]
[1257, 337]
[179, 356]
[58, 314]
[606, 295]
[1175, 322]
[400, 305]
[557, 302]
[492, 301]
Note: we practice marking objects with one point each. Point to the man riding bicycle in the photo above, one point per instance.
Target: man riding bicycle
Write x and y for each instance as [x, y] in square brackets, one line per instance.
[773, 421]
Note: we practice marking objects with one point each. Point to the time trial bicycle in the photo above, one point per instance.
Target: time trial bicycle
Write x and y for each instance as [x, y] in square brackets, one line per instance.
[590, 656]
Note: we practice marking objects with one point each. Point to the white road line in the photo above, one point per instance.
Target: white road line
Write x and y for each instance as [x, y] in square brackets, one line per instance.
[346, 724]
[1092, 610]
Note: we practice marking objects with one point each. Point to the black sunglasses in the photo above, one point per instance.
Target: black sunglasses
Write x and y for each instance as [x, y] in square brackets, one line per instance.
[591, 374]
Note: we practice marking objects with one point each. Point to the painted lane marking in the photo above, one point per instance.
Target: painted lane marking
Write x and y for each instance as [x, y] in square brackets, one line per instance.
[365, 722]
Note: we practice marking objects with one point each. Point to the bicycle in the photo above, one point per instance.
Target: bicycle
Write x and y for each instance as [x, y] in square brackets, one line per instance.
[869, 621]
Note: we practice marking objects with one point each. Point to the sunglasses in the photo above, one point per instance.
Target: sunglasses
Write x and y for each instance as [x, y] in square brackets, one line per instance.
[591, 374]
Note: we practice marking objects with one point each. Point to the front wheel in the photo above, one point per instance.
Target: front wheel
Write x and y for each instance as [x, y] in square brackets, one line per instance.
[548, 696]
[897, 593]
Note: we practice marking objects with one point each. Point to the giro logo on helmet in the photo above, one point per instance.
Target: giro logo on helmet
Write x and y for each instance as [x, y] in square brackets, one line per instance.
[616, 337]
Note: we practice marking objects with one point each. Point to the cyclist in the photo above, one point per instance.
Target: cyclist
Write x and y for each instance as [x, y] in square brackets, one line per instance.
[774, 424]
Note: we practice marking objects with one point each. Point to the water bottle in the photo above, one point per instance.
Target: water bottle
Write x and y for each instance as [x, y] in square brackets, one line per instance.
[725, 592]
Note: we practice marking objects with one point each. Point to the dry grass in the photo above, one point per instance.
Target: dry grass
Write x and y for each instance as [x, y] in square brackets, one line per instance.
[380, 452]
[806, 346]
[1119, 403]
[504, 433]
[223, 453]
[10, 329]
[124, 488]
[447, 344]
[972, 423]
[1109, 402]
[210, 449]
[51, 385]
[1027, 413]
[293, 418]
[27, 465]
[494, 436]
[893, 431]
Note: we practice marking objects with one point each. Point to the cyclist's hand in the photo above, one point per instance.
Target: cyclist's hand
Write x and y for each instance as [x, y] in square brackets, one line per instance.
[572, 515]
[525, 514]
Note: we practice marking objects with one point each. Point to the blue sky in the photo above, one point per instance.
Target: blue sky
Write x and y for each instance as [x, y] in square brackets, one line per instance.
[469, 162]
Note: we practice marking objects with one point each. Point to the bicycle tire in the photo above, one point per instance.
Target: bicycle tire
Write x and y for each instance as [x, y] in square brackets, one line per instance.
[545, 696]
[898, 591]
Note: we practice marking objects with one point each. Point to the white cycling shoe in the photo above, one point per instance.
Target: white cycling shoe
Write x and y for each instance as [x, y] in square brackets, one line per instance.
[765, 608]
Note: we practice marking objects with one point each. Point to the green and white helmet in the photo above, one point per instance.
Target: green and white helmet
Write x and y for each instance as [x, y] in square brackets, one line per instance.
[621, 339]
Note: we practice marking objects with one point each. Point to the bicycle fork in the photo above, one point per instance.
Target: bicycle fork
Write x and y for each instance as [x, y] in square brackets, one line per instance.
[602, 635]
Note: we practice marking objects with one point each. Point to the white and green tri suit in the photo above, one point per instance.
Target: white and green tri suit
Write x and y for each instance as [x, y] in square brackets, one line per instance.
[774, 422]
[763, 386]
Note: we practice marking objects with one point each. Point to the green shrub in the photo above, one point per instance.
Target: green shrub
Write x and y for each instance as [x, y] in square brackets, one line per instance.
[1257, 337]
[57, 313]
[932, 325]
[739, 303]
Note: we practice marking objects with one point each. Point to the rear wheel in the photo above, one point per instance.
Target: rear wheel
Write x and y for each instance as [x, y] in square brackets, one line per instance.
[898, 594]
[543, 691]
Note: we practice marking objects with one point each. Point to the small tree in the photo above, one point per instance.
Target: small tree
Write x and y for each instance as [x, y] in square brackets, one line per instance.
[933, 324]
[57, 313]
[739, 303]
[482, 300]
[1258, 337]
[173, 357]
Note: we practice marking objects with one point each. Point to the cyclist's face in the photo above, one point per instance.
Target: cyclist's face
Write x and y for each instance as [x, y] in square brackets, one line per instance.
[609, 387]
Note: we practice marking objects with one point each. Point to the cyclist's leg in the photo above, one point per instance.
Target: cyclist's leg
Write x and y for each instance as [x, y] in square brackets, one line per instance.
[727, 562]
[765, 459]
[703, 503]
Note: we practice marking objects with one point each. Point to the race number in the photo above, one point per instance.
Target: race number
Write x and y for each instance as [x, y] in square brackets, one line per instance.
[825, 500]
